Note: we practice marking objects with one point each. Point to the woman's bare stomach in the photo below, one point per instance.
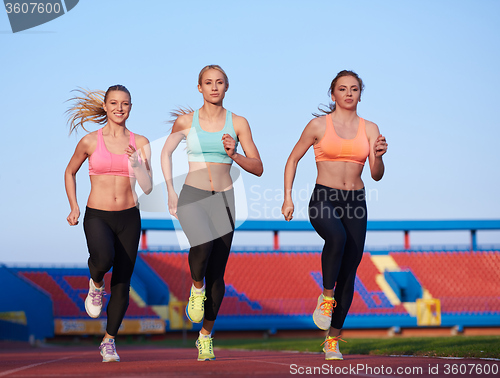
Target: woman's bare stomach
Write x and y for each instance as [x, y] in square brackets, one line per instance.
[340, 175]
[209, 176]
[112, 193]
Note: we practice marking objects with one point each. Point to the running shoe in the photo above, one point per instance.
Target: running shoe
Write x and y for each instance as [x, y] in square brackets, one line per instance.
[205, 349]
[108, 351]
[322, 315]
[331, 348]
[93, 302]
[195, 308]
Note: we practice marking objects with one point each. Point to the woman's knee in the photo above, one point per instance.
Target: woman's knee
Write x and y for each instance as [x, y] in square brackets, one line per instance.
[331, 230]
[121, 294]
[100, 265]
[215, 295]
[219, 288]
[198, 260]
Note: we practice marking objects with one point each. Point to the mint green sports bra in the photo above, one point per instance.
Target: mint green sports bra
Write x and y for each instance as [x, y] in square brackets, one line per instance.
[205, 146]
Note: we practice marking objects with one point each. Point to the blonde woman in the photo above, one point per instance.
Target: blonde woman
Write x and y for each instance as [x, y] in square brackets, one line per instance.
[205, 207]
[342, 142]
[118, 159]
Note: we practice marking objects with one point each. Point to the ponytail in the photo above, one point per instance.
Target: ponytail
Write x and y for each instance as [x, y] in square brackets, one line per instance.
[180, 111]
[87, 107]
[330, 109]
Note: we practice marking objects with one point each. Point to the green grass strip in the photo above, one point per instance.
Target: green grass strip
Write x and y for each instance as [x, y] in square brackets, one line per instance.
[453, 346]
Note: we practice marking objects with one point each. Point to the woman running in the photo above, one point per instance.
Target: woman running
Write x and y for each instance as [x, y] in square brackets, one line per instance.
[342, 141]
[112, 223]
[205, 206]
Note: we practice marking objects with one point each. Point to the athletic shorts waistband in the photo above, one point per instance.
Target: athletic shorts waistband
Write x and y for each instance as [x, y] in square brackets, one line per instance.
[104, 212]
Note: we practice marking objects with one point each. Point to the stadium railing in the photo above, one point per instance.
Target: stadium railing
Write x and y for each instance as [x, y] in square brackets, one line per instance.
[405, 226]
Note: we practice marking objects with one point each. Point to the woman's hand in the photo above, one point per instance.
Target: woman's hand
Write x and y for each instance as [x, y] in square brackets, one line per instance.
[380, 146]
[229, 144]
[173, 199]
[133, 156]
[287, 209]
[73, 217]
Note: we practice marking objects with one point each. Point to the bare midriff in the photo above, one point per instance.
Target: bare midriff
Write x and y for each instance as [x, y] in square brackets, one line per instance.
[340, 175]
[112, 193]
[209, 176]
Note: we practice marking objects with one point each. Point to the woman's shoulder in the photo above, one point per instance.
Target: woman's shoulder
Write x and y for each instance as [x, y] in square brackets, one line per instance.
[88, 143]
[240, 123]
[238, 118]
[317, 124]
[320, 120]
[183, 122]
[371, 127]
[89, 138]
[140, 140]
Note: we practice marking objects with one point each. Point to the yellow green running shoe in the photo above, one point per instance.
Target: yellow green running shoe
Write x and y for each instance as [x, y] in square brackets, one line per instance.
[205, 349]
[195, 308]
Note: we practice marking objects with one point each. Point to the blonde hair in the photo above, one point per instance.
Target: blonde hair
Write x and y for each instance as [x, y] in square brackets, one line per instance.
[213, 67]
[179, 111]
[88, 107]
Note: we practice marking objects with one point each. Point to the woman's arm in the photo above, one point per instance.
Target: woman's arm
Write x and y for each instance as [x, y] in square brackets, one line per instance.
[250, 162]
[81, 153]
[307, 139]
[378, 147]
[142, 171]
[173, 140]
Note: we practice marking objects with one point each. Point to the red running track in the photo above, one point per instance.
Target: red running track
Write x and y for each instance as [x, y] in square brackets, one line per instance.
[166, 362]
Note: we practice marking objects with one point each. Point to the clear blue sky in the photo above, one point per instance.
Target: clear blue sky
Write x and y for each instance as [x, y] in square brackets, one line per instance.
[432, 85]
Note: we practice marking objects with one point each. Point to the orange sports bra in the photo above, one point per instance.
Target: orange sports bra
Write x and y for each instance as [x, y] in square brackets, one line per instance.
[103, 162]
[334, 148]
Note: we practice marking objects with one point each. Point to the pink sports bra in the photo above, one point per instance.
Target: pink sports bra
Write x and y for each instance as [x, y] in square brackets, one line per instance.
[103, 162]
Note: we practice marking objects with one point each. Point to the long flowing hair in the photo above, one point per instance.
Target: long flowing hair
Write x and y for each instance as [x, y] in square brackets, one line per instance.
[88, 107]
[177, 112]
[331, 107]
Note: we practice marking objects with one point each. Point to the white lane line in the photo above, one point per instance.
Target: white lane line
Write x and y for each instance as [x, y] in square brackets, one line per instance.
[270, 362]
[3, 374]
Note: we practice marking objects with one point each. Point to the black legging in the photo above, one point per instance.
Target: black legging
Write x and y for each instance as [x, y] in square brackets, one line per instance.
[207, 219]
[113, 241]
[339, 217]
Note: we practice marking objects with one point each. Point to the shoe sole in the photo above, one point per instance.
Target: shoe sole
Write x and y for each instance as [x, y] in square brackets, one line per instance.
[191, 320]
[89, 314]
[110, 360]
[333, 358]
[206, 359]
[323, 329]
